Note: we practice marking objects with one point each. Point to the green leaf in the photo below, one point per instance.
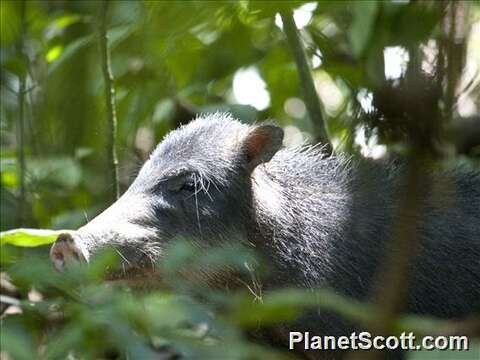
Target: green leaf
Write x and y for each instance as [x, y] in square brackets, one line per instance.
[15, 340]
[364, 15]
[29, 237]
[66, 20]
[286, 304]
[69, 52]
[115, 36]
[10, 22]
[54, 53]
[65, 172]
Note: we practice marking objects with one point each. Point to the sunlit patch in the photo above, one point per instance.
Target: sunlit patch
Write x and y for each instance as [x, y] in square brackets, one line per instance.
[470, 77]
[293, 137]
[369, 147]
[144, 140]
[295, 107]
[250, 89]
[330, 94]
[365, 98]
[466, 106]
[301, 16]
[396, 60]
[266, 193]
[317, 59]
[430, 55]
[54, 53]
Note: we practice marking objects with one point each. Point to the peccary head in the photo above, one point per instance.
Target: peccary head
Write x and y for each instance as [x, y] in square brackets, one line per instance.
[196, 185]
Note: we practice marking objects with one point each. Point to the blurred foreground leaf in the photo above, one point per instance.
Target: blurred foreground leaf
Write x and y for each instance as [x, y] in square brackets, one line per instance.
[29, 237]
[288, 304]
[364, 14]
[56, 171]
[16, 340]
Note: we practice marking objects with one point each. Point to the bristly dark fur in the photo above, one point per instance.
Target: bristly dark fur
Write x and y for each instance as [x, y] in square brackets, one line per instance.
[333, 219]
[320, 221]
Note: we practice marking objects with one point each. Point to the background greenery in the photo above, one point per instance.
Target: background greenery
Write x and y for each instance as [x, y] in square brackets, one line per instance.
[171, 60]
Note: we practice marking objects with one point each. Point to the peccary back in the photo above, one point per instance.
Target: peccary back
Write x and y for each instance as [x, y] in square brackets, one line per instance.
[328, 222]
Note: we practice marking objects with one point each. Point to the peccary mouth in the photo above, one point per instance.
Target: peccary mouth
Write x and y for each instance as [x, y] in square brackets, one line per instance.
[135, 258]
[134, 276]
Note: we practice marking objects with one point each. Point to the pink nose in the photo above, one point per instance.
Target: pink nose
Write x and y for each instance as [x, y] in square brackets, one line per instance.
[64, 251]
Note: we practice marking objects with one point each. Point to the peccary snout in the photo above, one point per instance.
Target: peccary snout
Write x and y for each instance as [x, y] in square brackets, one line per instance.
[65, 251]
[126, 227]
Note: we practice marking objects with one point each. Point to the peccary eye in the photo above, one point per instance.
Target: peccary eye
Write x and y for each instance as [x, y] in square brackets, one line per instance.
[188, 186]
[182, 183]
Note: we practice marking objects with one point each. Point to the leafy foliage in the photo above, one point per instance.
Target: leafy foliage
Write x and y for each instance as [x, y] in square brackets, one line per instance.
[89, 316]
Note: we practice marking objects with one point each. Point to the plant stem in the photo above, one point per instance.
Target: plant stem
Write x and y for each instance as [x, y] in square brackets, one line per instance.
[21, 120]
[307, 84]
[452, 59]
[110, 102]
[391, 284]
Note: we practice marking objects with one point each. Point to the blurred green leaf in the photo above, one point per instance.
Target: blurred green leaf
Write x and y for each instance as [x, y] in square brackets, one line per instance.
[351, 74]
[246, 113]
[63, 171]
[66, 20]
[163, 109]
[364, 14]
[29, 237]
[16, 340]
[65, 341]
[9, 22]
[9, 179]
[287, 304]
[53, 53]
[73, 219]
[9, 254]
[69, 52]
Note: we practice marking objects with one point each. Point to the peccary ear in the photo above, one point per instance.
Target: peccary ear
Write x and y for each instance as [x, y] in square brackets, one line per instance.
[262, 143]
